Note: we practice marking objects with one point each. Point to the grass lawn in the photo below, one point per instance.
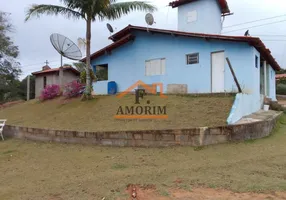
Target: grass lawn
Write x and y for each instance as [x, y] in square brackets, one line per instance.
[98, 114]
[51, 171]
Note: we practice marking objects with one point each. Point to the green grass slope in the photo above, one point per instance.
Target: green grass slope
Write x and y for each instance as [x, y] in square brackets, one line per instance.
[98, 114]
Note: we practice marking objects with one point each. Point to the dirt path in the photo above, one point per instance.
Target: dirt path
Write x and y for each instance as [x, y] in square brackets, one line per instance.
[202, 194]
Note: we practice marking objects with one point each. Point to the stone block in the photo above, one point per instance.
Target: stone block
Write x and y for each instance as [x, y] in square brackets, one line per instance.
[129, 135]
[119, 142]
[215, 131]
[60, 133]
[143, 143]
[45, 132]
[214, 139]
[68, 134]
[106, 142]
[100, 136]
[30, 130]
[80, 134]
[118, 135]
[148, 136]
[183, 138]
[137, 136]
[159, 136]
[168, 137]
[52, 133]
[90, 135]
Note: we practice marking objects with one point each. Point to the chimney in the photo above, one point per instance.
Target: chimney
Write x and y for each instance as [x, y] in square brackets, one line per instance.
[46, 67]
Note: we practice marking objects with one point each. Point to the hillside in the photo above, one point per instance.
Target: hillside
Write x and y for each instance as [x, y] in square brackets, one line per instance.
[98, 114]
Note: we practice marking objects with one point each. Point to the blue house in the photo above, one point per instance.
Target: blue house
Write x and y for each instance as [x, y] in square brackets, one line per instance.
[191, 59]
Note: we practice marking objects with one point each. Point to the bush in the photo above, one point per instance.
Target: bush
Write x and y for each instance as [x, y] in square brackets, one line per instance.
[72, 89]
[50, 92]
[281, 89]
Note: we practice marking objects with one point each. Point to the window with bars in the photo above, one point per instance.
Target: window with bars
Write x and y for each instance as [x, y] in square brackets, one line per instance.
[192, 58]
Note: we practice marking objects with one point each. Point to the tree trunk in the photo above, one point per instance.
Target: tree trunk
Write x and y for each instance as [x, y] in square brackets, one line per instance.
[88, 38]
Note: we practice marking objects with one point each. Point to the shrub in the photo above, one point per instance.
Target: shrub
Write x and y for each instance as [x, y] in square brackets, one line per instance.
[72, 89]
[281, 89]
[50, 92]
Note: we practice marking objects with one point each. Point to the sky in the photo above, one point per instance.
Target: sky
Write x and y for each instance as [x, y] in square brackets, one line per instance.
[32, 37]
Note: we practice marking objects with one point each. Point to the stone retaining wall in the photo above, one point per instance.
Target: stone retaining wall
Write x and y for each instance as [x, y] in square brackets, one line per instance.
[151, 138]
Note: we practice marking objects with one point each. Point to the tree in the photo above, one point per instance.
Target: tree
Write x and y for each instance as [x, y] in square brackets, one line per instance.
[90, 11]
[9, 68]
[282, 71]
[80, 66]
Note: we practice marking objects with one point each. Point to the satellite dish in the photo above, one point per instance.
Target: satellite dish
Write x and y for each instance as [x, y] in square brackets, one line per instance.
[109, 27]
[149, 19]
[65, 47]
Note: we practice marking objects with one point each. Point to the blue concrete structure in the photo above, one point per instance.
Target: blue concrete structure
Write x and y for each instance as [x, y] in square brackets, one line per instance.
[126, 64]
[192, 17]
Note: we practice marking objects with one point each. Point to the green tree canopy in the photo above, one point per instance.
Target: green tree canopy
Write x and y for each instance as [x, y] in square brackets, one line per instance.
[9, 67]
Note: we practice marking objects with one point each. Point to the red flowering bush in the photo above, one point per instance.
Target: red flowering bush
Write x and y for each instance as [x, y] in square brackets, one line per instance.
[72, 89]
[50, 92]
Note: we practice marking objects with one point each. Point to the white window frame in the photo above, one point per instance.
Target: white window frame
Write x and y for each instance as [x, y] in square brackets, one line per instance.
[152, 70]
[193, 54]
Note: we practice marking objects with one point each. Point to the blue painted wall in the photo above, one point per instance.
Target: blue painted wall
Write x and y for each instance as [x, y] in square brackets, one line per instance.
[208, 17]
[126, 64]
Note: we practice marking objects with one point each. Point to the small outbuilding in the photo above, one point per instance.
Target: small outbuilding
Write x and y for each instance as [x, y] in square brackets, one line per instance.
[59, 76]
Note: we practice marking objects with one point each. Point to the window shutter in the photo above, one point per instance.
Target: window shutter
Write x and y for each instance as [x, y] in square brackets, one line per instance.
[163, 66]
[147, 68]
[155, 67]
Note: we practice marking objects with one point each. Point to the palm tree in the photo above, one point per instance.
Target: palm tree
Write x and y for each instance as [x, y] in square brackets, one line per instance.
[90, 11]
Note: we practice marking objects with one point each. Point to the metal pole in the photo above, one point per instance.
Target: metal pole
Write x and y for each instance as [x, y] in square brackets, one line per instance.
[61, 73]
[28, 88]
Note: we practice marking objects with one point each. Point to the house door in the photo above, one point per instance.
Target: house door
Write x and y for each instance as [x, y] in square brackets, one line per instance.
[218, 64]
